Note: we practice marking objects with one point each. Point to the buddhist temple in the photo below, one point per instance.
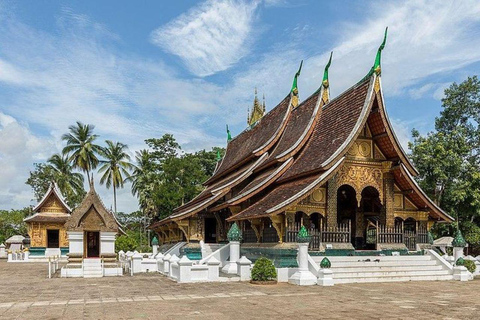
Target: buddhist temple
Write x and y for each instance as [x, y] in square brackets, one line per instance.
[46, 229]
[92, 230]
[333, 165]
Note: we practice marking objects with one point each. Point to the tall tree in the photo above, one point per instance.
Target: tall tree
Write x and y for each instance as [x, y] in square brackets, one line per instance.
[69, 182]
[115, 167]
[80, 148]
[448, 158]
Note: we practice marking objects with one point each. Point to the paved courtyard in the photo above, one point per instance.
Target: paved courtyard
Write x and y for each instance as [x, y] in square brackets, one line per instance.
[27, 293]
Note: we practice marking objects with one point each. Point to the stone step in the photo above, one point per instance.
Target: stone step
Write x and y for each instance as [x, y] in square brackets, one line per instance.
[386, 268]
[336, 264]
[394, 279]
[372, 258]
[388, 274]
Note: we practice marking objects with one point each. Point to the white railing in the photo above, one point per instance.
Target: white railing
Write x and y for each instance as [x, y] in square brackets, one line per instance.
[53, 265]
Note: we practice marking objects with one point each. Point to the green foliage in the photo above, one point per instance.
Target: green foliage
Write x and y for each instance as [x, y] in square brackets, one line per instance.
[264, 270]
[115, 167]
[471, 233]
[125, 243]
[11, 223]
[470, 265]
[81, 149]
[60, 171]
[448, 160]
[165, 177]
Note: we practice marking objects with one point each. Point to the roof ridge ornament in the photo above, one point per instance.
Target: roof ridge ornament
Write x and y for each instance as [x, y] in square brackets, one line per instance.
[294, 90]
[258, 111]
[229, 135]
[325, 82]
[219, 157]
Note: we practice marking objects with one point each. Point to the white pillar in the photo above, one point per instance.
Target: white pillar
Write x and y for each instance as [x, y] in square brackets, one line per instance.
[185, 270]
[10, 255]
[26, 254]
[231, 266]
[155, 250]
[75, 242]
[3, 253]
[213, 269]
[303, 277]
[166, 264]
[137, 262]
[107, 242]
[461, 273]
[325, 277]
[244, 269]
[457, 253]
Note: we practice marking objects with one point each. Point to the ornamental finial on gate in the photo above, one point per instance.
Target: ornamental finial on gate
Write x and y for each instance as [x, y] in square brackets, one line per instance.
[303, 235]
[234, 234]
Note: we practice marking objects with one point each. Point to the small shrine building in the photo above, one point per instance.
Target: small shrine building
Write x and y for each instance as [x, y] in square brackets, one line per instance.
[46, 225]
[92, 229]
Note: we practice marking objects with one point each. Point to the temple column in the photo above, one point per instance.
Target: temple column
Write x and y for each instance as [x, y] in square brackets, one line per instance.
[332, 202]
[388, 203]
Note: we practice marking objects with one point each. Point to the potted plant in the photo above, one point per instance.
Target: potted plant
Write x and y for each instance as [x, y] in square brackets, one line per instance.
[264, 272]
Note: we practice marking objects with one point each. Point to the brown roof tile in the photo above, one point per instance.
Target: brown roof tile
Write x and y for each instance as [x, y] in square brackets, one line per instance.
[274, 197]
[245, 144]
[298, 123]
[336, 122]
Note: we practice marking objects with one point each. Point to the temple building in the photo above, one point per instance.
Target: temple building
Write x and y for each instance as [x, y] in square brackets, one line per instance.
[332, 165]
[92, 230]
[48, 236]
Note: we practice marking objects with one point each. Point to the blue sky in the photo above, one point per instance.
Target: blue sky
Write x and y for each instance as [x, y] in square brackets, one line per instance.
[139, 69]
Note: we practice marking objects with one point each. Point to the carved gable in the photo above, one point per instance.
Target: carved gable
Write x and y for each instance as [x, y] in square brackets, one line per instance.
[52, 204]
[92, 215]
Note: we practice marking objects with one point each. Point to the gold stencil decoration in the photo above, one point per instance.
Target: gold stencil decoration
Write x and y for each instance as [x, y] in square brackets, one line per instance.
[360, 177]
[376, 86]
[364, 149]
[318, 195]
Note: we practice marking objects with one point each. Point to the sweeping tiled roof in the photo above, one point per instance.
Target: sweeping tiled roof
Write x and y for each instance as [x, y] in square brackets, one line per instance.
[254, 141]
[301, 120]
[48, 217]
[285, 195]
[336, 125]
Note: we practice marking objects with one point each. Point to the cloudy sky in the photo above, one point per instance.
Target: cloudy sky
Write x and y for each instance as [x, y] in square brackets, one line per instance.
[140, 69]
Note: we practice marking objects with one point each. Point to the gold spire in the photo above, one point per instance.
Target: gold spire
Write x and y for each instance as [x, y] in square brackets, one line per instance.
[258, 110]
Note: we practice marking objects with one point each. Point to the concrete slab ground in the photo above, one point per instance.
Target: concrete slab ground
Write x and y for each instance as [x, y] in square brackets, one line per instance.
[27, 293]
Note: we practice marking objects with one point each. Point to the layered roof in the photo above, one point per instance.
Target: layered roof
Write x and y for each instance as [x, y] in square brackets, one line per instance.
[92, 215]
[51, 208]
[254, 141]
[340, 121]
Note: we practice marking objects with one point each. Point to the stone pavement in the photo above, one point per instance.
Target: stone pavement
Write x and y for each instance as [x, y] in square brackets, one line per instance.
[26, 293]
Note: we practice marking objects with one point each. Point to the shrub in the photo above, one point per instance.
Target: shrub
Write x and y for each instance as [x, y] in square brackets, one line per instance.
[264, 270]
[125, 243]
[470, 265]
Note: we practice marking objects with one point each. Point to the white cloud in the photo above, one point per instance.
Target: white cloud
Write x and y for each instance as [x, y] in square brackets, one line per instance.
[424, 38]
[19, 149]
[210, 37]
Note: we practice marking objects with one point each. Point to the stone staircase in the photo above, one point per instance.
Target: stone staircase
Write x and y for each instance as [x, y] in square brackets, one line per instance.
[356, 269]
[92, 268]
[209, 248]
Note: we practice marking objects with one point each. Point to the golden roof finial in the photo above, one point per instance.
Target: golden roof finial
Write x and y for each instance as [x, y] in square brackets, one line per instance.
[258, 110]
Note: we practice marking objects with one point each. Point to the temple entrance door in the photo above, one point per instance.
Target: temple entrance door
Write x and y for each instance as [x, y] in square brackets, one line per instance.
[53, 239]
[370, 209]
[210, 230]
[347, 208]
[92, 244]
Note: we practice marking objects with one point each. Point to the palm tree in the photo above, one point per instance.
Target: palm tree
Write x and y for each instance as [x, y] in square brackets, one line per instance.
[69, 182]
[81, 148]
[115, 167]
